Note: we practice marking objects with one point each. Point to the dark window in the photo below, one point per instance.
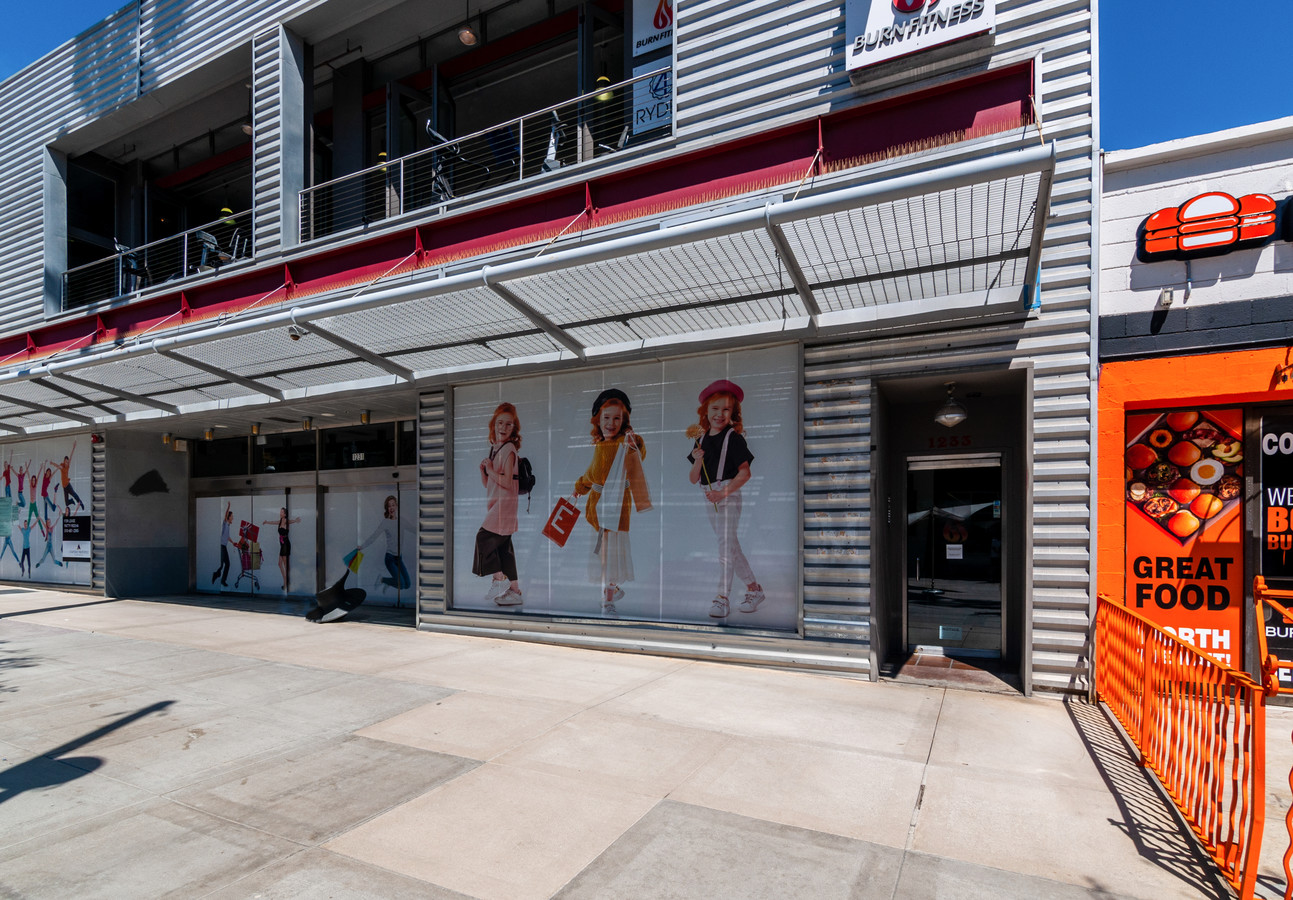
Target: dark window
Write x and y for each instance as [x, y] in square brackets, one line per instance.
[408, 443]
[290, 452]
[358, 446]
[227, 456]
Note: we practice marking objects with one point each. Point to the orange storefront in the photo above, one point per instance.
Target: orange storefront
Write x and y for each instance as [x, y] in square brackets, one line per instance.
[1185, 445]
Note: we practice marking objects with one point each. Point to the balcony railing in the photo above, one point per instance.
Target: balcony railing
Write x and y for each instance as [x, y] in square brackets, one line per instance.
[587, 127]
[130, 269]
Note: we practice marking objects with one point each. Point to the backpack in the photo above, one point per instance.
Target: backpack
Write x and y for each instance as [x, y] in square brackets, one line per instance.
[524, 479]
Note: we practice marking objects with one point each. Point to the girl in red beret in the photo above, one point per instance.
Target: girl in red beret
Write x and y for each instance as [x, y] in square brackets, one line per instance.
[720, 465]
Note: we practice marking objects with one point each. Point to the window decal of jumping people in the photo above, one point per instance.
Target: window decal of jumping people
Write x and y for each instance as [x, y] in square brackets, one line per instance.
[222, 570]
[9, 521]
[494, 555]
[64, 476]
[720, 461]
[616, 484]
[33, 510]
[389, 529]
[8, 474]
[47, 504]
[25, 560]
[47, 529]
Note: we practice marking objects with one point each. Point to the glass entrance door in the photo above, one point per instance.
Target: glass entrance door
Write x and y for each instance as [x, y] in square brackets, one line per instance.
[954, 519]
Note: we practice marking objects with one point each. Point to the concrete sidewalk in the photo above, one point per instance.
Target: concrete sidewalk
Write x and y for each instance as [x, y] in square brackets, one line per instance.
[168, 749]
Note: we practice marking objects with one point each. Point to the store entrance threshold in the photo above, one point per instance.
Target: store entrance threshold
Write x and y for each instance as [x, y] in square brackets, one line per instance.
[969, 673]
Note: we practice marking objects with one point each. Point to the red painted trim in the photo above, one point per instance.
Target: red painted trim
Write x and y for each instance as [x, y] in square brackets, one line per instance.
[780, 157]
[219, 161]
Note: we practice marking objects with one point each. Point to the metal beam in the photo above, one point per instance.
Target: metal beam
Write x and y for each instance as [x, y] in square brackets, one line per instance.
[1041, 212]
[117, 392]
[363, 353]
[52, 410]
[249, 383]
[788, 259]
[85, 401]
[551, 328]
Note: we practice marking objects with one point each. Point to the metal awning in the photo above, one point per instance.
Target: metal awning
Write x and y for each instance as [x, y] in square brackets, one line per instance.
[960, 242]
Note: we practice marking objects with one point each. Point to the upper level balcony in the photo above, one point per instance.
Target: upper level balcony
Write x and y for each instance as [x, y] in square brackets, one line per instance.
[518, 151]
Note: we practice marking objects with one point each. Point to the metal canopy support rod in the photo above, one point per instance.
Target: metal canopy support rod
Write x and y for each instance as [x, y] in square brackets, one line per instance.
[363, 353]
[85, 401]
[52, 410]
[788, 259]
[248, 383]
[1041, 212]
[551, 328]
[116, 392]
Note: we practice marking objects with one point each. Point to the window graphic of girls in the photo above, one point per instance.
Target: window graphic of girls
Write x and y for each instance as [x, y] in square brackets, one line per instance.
[615, 483]
[25, 560]
[222, 570]
[69, 493]
[22, 481]
[389, 528]
[8, 474]
[47, 529]
[494, 552]
[284, 541]
[721, 466]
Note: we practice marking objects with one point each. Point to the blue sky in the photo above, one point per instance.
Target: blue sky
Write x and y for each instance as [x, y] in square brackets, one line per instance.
[1168, 70]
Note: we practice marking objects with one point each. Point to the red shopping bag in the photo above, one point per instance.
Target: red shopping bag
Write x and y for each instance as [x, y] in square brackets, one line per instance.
[562, 521]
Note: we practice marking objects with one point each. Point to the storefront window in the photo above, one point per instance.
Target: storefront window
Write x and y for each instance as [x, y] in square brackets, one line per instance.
[227, 456]
[358, 446]
[291, 452]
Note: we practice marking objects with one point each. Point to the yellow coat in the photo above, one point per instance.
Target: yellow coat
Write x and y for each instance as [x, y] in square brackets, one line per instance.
[634, 489]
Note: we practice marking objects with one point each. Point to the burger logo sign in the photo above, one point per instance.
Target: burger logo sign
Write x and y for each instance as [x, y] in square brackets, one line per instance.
[1207, 225]
[881, 30]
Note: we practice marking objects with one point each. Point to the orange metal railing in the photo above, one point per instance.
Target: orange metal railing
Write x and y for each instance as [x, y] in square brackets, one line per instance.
[1200, 727]
[1279, 601]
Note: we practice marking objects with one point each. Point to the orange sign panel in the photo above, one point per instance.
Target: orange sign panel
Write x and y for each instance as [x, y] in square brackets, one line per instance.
[1184, 516]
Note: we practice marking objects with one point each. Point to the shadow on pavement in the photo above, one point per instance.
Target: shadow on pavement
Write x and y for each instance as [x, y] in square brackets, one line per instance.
[45, 609]
[40, 772]
[1147, 818]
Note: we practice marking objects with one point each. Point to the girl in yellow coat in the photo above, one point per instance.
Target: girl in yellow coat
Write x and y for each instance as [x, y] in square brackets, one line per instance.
[616, 484]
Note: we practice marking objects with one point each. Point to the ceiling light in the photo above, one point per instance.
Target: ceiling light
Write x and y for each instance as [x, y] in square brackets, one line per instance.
[365, 416]
[166, 438]
[603, 85]
[951, 413]
[208, 435]
[307, 423]
[255, 428]
[467, 35]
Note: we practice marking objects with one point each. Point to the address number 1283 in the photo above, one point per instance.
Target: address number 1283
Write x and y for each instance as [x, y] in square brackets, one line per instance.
[943, 441]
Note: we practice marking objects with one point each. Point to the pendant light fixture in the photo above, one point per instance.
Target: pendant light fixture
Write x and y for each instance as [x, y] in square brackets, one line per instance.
[951, 413]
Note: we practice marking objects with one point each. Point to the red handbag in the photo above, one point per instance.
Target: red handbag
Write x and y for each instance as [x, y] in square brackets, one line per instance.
[562, 522]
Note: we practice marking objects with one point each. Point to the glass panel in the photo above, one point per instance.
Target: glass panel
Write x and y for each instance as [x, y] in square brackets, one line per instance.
[289, 452]
[954, 559]
[407, 454]
[380, 523]
[227, 456]
[358, 446]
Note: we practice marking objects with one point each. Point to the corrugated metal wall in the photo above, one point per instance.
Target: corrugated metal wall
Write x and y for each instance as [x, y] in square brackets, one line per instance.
[267, 52]
[99, 506]
[837, 496]
[433, 492]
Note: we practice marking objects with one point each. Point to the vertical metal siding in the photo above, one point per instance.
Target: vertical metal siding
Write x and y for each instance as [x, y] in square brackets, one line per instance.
[433, 491]
[837, 496]
[98, 507]
[268, 50]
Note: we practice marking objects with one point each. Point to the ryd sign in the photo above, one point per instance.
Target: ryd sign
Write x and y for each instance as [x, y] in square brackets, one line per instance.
[881, 30]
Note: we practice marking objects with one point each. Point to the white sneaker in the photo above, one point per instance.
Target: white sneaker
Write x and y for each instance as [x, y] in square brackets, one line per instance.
[752, 600]
[509, 597]
[497, 588]
[719, 609]
[609, 611]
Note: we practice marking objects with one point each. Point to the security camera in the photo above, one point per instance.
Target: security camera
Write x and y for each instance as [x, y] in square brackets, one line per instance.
[295, 332]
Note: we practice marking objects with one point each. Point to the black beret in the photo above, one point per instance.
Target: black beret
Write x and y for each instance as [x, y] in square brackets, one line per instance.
[611, 394]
